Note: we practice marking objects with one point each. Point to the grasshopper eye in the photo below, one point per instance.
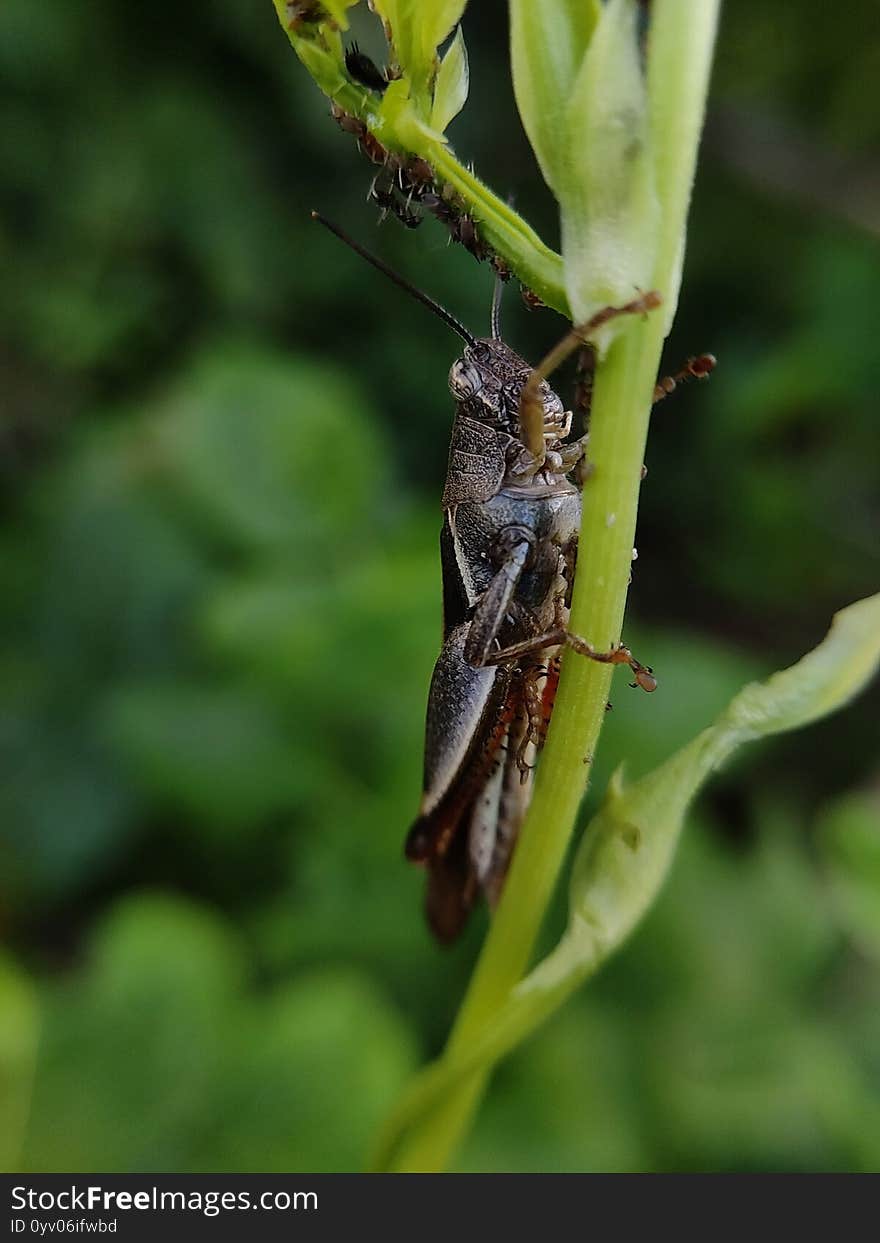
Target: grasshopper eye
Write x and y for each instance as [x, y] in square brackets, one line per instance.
[465, 379]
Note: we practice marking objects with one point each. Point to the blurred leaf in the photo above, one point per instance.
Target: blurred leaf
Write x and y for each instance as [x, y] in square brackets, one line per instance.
[139, 1034]
[162, 1027]
[315, 1065]
[253, 439]
[219, 753]
[19, 1028]
[451, 87]
[548, 42]
[767, 1090]
[848, 833]
[66, 812]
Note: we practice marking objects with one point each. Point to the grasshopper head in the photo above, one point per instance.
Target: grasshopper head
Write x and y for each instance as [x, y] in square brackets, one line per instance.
[487, 380]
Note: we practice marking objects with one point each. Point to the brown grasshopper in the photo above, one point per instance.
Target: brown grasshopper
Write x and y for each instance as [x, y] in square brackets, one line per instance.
[508, 546]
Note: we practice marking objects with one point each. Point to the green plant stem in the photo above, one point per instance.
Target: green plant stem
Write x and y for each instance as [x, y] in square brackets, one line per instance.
[536, 265]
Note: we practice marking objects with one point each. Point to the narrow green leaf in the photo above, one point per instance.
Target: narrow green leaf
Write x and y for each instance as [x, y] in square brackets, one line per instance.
[437, 19]
[397, 17]
[417, 28]
[451, 87]
[607, 195]
[548, 40]
[627, 849]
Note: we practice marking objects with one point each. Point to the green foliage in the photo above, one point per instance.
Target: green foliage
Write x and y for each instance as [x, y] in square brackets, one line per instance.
[548, 42]
[450, 91]
[163, 1028]
[157, 170]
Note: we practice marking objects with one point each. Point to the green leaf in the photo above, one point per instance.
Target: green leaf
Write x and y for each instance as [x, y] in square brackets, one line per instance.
[220, 753]
[436, 18]
[244, 436]
[608, 203]
[627, 848]
[548, 41]
[849, 837]
[451, 87]
[162, 1049]
[416, 29]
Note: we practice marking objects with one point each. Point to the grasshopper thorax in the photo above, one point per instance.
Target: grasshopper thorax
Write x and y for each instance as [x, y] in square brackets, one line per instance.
[487, 381]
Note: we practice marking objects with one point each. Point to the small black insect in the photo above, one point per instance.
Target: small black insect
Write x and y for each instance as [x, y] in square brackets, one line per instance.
[364, 70]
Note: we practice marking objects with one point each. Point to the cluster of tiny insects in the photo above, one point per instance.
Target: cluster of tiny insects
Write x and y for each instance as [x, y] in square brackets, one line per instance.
[406, 187]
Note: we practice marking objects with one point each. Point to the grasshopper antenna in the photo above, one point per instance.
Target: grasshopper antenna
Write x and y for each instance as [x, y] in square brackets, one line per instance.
[398, 280]
[496, 308]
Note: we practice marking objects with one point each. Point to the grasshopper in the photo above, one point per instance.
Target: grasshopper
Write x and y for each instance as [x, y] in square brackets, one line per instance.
[508, 546]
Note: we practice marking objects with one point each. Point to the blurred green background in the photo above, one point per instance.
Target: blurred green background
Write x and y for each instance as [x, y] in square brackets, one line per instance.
[222, 445]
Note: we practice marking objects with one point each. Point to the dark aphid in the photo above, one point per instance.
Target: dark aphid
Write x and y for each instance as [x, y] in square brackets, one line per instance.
[464, 230]
[364, 71]
[406, 216]
[508, 545]
[346, 122]
[372, 148]
[438, 207]
[384, 194]
[416, 172]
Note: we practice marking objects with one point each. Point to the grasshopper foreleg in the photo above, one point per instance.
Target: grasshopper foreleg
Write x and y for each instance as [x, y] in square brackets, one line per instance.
[531, 407]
